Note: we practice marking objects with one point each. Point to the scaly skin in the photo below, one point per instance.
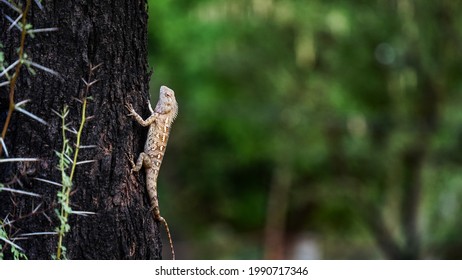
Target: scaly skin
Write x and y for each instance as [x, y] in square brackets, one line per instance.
[159, 123]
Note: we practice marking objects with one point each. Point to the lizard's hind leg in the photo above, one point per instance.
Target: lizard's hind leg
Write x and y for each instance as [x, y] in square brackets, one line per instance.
[143, 159]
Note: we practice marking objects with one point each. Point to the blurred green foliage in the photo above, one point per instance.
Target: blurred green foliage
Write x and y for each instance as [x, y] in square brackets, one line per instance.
[337, 119]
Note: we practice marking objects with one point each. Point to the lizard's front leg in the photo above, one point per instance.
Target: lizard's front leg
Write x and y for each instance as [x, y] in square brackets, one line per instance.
[143, 160]
[138, 118]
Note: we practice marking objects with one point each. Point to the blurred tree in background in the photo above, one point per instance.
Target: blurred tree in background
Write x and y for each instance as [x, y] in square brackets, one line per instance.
[312, 129]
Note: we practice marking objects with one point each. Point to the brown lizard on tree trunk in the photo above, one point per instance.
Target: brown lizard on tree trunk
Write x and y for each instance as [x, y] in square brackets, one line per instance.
[159, 123]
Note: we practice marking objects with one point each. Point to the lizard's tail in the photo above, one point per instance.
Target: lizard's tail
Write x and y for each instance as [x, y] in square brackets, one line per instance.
[156, 212]
[169, 236]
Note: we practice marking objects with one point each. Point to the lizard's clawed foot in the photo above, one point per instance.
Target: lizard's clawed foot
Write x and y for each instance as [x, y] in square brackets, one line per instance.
[132, 163]
[129, 107]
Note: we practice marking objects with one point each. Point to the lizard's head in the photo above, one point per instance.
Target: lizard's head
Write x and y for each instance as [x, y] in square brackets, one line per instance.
[167, 102]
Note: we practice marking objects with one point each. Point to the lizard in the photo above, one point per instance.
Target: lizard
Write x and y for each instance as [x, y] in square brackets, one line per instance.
[159, 123]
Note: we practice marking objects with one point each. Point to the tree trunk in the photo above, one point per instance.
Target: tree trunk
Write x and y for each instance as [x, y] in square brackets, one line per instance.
[110, 33]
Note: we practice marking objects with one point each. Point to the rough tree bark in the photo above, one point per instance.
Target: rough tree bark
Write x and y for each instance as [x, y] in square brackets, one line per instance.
[113, 33]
